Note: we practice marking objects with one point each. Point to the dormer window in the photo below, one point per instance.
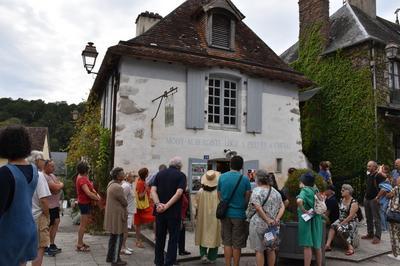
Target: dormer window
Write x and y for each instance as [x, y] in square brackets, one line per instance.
[221, 31]
[221, 17]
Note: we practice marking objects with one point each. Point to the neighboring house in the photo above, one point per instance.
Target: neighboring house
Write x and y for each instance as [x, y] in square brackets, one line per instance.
[233, 94]
[356, 32]
[40, 141]
[59, 159]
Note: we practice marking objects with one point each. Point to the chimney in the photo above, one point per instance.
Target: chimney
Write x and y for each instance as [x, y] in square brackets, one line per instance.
[367, 6]
[145, 21]
[313, 13]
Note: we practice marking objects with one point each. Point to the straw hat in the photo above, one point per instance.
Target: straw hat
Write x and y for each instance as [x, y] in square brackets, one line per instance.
[210, 178]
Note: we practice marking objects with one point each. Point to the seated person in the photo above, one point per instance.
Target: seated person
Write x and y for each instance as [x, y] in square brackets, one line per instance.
[346, 226]
[332, 205]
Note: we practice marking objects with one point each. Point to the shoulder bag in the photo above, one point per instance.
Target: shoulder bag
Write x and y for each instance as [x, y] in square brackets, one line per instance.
[223, 205]
[262, 205]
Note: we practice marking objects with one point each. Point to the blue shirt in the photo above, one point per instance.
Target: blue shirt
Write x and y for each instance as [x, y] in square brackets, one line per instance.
[395, 175]
[325, 175]
[226, 184]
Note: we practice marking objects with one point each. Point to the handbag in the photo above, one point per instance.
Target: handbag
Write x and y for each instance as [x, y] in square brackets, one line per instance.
[223, 205]
[319, 204]
[142, 203]
[393, 215]
[271, 237]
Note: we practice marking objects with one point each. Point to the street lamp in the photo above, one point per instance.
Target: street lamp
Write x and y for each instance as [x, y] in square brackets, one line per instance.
[391, 50]
[89, 56]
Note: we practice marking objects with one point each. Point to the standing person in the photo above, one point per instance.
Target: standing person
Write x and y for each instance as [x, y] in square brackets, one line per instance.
[55, 186]
[346, 226]
[208, 228]
[86, 195]
[396, 171]
[166, 191]
[332, 205]
[150, 178]
[394, 206]
[234, 226]
[371, 203]
[275, 185]
[182, 233]
[40, 208]
[115, 217]
[127, 186]
[18, 180]
[385, 187]
[310, 223]
[325, 172]
[265, 211]
[144, 212]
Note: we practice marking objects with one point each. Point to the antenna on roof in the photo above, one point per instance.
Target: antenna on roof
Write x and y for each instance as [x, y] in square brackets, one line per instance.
[397, 15]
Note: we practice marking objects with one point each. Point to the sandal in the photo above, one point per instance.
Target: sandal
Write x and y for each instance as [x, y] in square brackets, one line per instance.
[349, 252]
[82, 249]
[327, 249]
[139, 244]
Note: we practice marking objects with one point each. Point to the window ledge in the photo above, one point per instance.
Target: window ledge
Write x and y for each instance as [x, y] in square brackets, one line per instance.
[228, 49]
[216, 127]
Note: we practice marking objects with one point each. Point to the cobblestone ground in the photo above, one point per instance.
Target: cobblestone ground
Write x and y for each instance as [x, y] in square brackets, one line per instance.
[66, 239]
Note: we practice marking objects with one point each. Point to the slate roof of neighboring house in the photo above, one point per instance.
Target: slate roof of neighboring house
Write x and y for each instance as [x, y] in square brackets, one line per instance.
[59, 159]
[38, 137]
[181, 37]
[351, 26]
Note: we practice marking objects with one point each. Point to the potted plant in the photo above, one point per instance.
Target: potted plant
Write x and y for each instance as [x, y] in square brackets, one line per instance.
[289, 247]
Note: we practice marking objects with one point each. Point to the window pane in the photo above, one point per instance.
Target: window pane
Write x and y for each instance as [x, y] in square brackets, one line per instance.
[233, 94]
[217, 102]
[210, 109]
[226, 111]
[210, 100]
[233, 86]
[217, 92]
[211, 91]
[226, 120]
[210, 118]
[233, 103]
[226, 102]
[216, 110]
[233, 111]
[226, 93]
[216, 119]
[226, 84]
[217, 83]
[233, 120]
[211, 82]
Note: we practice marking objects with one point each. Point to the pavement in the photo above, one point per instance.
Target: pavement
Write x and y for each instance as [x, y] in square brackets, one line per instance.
[67, 236]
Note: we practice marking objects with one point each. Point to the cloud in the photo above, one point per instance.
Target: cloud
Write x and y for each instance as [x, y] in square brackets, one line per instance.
[42, 40]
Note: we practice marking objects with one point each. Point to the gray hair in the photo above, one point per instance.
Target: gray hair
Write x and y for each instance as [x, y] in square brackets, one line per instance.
[35, 155]
[116, 172]
[349, 188]
[176, 162]
[263, 177]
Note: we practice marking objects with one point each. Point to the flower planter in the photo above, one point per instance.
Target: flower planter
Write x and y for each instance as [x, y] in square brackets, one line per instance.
[289, 248]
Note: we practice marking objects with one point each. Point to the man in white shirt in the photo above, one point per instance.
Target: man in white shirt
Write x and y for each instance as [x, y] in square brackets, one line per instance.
[127, 186]
[40, 207]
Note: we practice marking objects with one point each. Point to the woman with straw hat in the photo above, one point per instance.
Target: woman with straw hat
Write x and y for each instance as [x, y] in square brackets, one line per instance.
[208, 228]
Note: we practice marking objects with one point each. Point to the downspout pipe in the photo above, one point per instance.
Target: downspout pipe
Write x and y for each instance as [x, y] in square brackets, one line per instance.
[374, 86]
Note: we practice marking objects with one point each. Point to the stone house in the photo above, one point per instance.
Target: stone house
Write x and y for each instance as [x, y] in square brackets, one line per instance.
[200, 84]
[356, 32]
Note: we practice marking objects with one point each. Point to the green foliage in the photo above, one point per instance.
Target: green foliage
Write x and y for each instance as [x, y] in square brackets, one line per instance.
[55, 116]
[338, 123]
[91, 142]
[292, 186]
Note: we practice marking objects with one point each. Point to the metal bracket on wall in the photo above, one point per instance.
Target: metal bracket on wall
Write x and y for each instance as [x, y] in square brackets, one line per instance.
[171, 92]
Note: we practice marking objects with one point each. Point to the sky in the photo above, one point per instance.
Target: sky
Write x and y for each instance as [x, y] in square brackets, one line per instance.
[41, 40]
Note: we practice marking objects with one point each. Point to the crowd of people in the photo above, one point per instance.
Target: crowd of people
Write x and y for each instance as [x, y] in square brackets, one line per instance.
[231, 209]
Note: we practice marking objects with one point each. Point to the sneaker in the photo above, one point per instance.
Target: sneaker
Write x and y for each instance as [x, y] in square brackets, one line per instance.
[126, 252]
[204, 260]
[130, 249]
[54, 248]
[49, 253]
[394, 257]
[184, 253]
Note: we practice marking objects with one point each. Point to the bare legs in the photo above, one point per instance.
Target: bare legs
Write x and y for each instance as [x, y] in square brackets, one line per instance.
[271, 257]
[82, 228]
[236, 256]
[308, 256]
[39, 259]
[331, 235]
[228, 255]
[53, 230]
[259, 258]
[138, 236]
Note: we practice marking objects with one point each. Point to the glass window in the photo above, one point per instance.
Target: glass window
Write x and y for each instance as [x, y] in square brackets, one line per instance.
[394, 75]
[225, 99]
[221, 31]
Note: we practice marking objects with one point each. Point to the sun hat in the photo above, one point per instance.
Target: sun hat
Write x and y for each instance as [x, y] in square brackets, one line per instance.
[210, 178]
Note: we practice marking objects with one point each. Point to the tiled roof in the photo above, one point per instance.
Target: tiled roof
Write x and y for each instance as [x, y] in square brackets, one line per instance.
[351, 26]
[181, 37]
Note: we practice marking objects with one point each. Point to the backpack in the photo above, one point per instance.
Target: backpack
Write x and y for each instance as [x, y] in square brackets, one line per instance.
[319, 204]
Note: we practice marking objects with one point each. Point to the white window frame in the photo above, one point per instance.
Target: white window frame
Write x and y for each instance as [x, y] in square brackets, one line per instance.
[394, 74]
[221, 115]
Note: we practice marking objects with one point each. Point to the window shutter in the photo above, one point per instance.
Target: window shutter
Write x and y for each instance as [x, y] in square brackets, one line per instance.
[195, 93]
[254, 105]
[221, 31]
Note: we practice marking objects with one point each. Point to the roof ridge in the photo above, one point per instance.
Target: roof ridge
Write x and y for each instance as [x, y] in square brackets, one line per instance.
[364, 31]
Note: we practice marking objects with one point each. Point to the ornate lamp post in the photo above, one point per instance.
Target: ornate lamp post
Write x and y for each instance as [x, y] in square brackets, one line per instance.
[89, 56]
